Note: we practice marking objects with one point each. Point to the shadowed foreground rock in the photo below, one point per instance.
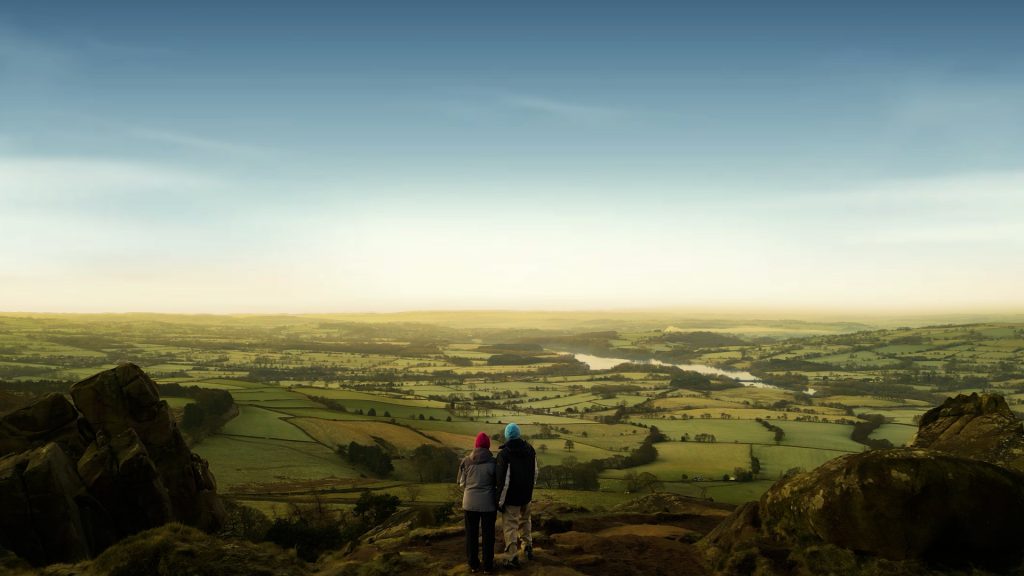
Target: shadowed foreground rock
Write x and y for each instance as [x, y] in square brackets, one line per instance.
[899, 504]
[75, 478]
[40, 520]
[132, 423]
[981, 427]
[173, 550]
[51, 419]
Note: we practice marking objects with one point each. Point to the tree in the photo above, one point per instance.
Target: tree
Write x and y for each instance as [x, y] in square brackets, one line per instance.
[569, 445]
[435, 463]
[654, 435]
[743, 475]
[375, 508]
[311, 530]
[642, 481]
[193, 417]
[648, 481]
[570, 475]
[373, 458]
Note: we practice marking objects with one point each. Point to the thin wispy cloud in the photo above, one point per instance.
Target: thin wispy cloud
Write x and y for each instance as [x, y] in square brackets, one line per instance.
[194, 142]
[972, 188]
[569, 111]
[50, 181]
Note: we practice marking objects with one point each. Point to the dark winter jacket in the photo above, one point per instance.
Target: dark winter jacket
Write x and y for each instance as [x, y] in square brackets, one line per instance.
[477, 476]
[517, 473]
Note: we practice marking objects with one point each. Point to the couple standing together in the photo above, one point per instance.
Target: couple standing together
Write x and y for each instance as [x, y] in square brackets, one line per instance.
[503, 484]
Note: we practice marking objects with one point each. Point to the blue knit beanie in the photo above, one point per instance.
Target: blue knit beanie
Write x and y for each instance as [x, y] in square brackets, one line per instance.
[512, 431]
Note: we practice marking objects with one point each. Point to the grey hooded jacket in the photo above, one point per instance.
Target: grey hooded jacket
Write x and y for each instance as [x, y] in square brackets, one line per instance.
[478, 479]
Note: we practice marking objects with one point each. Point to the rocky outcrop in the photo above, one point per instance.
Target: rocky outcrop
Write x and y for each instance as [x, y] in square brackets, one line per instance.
[899, 504]
[952, 500]
[76, 477]
[51, 419]
[121, 475]
[40, 520]
[125, 400]
[975, 426]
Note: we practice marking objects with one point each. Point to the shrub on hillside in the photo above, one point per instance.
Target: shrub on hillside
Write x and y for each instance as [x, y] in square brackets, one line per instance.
[435, 463]
[245, 522]
[311, 530]
[372, 509]
[373, 458]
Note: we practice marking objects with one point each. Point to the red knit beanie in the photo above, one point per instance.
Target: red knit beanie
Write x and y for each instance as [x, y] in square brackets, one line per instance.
[483, 440]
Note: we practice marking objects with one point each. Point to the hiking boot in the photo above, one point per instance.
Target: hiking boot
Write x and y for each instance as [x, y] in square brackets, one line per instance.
[529, 552]
[512, 564]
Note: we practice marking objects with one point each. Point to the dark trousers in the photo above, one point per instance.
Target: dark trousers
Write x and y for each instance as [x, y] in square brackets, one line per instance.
[474, 520]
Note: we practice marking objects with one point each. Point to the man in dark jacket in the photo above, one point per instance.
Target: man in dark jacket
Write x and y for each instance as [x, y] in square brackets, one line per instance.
[517, 475]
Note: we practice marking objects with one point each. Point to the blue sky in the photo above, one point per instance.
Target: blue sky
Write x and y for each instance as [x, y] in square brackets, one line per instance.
[386, 156]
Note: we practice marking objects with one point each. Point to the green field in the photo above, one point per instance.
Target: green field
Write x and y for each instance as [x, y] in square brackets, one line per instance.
[692, 459]
[776, 460]
[245, 460]
[304, 384]
[257, 422]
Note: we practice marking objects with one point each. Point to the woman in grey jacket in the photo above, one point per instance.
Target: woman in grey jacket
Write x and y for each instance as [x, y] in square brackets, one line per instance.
[478, 479]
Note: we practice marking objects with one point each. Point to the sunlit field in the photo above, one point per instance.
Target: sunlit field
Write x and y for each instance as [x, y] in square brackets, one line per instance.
[306, 385]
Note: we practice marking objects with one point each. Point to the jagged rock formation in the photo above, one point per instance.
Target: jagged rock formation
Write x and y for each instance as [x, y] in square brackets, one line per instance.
[75, 478]
[932, 508]
[51, 419]
[133, 425]
[40, 520]
[981, 427]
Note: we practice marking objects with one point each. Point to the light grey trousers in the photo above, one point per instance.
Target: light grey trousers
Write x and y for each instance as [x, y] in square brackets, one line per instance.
[516, 527]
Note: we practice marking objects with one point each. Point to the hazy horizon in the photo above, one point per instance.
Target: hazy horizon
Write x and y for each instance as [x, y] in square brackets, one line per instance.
[878, 318]
[198, 158]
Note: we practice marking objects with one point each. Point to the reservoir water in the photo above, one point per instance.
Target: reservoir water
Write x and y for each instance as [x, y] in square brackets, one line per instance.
[745, 378]
[604, 363]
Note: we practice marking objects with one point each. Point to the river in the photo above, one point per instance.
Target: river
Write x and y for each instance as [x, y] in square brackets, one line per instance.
[745, 378]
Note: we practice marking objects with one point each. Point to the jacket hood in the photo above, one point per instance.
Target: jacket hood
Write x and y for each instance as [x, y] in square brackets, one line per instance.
[516, 445]
[481, 455]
